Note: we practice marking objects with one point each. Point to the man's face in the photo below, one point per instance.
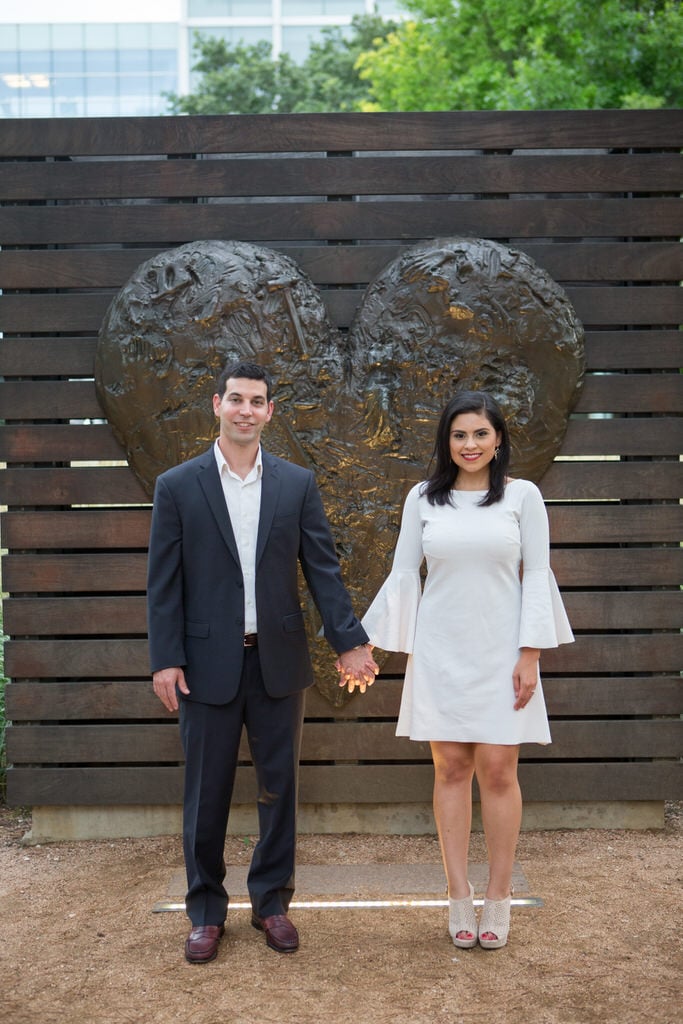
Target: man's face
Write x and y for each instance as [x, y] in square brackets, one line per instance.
[243, 410]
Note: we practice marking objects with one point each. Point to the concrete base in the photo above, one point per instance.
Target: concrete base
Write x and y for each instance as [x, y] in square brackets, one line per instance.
[57, 824]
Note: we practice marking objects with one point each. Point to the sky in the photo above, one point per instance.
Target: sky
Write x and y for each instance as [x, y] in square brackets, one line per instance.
[108, 11]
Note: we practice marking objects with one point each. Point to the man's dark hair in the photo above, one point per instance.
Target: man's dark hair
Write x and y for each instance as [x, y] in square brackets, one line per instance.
[250, 371]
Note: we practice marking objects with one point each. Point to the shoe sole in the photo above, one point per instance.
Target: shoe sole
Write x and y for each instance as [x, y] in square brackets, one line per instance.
[465, 943]
[200, 959]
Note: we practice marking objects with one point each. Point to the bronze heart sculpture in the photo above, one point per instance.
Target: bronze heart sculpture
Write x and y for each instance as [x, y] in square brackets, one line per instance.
[359, 409]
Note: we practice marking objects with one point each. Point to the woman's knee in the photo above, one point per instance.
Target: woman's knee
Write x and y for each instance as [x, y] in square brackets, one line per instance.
[497, 772]
[453, 763]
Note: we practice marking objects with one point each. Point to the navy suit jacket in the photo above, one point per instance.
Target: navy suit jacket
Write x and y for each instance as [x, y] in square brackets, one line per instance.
[195, 591]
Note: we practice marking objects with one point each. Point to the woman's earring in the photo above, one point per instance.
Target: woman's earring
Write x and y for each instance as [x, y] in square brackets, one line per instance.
[496, 452]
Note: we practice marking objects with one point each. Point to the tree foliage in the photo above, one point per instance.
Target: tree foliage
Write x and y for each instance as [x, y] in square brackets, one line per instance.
[529, 54]
[240, 79]
[460, 55]
[245, 79]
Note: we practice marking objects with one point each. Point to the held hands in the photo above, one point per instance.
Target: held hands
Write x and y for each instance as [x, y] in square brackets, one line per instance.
[164, 683]
[525, 676]
[357, 668]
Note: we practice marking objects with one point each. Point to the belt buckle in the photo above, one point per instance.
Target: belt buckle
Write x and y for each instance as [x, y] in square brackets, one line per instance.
[250, 639]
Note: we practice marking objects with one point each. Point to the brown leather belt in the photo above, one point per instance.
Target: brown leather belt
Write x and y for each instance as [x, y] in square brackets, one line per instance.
[251, 639]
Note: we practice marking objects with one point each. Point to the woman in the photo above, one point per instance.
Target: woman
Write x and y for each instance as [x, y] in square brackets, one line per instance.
[473, 636]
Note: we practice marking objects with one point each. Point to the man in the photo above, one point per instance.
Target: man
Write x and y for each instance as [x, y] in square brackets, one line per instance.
[228, 646]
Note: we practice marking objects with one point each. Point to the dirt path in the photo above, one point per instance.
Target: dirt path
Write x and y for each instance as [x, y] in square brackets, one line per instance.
[80, 944]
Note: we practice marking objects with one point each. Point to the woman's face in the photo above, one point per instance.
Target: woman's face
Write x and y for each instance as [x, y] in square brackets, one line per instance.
[473, 442]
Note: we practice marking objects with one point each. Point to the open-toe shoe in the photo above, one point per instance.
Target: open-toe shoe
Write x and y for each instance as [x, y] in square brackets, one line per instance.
[495, 923]
[462, 921]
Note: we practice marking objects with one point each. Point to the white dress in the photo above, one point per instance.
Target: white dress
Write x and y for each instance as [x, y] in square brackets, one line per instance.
[463, 632]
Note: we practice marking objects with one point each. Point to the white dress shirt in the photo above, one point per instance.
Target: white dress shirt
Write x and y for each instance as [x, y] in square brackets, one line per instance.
[243, 500]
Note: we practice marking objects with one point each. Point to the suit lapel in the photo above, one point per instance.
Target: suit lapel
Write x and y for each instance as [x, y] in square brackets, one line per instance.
[210, 483]
[270, 490]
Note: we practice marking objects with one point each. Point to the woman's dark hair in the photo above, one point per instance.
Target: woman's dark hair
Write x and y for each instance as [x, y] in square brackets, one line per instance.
[439, 484]
[250, 371]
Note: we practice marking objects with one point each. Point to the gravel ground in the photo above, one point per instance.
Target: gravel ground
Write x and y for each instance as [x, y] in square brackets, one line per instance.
[80, 942]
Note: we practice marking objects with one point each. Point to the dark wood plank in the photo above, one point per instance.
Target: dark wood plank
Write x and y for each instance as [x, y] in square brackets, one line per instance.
[84, 529]
[378, 784]
[631, 393]
[125, 615]
[614, 695]
[95, 529]
[103, 571]
[87, 659]
[95, 442]
[564, 480]
[68, 616]
[642, 435]
[624, 610]
[311, 175]
[91, 486]
[594, 305]
[579, 129]
[54, 312]
[50, 400]
[128, 659]
[115, 571]
[93, 701]
[59, 442]
[341, 741]
[598, 481]
[346, 264]
[47, 357]
[93, 744]
[167, 224]
[611, 654]
[628, 652]
[565, 696]
[637, 305]
[634, 350]
[605, 350]
[596, 524]
[612, 393]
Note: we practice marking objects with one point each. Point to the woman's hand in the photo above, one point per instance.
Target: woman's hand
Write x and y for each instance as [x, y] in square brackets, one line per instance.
[357, 668]
[525, 676]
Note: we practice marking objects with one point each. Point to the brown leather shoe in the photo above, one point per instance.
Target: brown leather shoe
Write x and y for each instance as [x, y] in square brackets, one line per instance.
[201, 945]
[280, 932]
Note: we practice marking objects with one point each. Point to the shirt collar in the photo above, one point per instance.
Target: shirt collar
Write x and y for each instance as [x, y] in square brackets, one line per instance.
[254, 474]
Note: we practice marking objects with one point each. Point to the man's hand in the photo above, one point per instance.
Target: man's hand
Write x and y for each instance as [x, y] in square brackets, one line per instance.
[165, 681]
[357, 668]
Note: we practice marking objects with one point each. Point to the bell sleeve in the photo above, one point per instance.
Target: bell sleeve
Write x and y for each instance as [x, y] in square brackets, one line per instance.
[543, 620]
[391, 618]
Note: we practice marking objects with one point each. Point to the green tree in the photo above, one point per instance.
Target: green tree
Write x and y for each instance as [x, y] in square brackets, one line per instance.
[240, 79]
[245, 79]
[529, 54]
[332, 76]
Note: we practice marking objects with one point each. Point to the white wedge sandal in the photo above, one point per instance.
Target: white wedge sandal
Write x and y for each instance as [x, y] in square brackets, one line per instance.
[495, 920]
[463, 920]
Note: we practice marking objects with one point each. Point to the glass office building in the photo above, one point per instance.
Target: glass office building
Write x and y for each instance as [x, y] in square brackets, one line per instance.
[97, 69]
[86, 70]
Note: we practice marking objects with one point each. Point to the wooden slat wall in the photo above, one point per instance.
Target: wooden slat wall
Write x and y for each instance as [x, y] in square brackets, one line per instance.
[593, 196]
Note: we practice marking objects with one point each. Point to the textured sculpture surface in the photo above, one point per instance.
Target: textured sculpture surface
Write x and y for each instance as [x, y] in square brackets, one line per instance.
[359, 409]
